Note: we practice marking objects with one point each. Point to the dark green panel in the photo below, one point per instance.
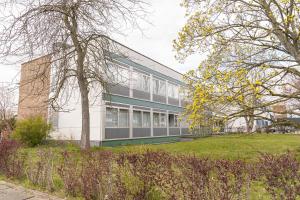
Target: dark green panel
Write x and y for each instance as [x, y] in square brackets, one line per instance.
[153, 140]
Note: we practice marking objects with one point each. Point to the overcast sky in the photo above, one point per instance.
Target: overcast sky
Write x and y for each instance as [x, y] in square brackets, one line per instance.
[167, 18]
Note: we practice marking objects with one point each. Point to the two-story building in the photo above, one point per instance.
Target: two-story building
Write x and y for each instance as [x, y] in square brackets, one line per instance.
[143, 103]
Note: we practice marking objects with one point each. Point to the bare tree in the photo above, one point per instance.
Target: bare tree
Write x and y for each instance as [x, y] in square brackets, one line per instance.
[74, 33]
[6, 109]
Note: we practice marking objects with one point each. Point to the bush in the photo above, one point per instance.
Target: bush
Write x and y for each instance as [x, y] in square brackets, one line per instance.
[32, 131]
[40, 171]
[11, 162]
[152, 175]
[281, 175]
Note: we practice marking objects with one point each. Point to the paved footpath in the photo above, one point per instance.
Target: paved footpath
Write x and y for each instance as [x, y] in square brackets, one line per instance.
[9, 191]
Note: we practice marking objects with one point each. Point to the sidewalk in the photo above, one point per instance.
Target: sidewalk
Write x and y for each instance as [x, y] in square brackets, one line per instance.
[9, 191]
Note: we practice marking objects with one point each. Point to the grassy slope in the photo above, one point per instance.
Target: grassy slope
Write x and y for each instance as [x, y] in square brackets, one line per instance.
[231, 146]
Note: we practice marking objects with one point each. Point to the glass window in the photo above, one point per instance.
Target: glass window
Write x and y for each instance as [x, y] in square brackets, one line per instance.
[135, 80]
[162, 88]
[118, 74]
[137, 118]
[146, 119]
[155, 86]
[111, 117]
[159, 87]
[123, 118]
[176, 121]
[113, 73]
[163, 120]
[141, 81]
[146, 83]
[171, 120]
[183, 93]
[173, 91]
[156, 119]
[123, 76]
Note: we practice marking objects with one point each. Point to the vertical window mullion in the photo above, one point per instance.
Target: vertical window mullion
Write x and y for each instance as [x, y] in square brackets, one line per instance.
[142, 113]
[118, 117]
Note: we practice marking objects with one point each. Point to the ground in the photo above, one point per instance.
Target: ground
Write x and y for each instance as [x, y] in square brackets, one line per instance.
[239, 146]
[9, 191]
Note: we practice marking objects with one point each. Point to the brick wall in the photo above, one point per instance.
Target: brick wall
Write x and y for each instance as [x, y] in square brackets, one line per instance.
[34, 88]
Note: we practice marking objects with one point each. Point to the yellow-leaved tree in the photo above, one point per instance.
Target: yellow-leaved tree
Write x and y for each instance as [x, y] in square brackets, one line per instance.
[254, 50]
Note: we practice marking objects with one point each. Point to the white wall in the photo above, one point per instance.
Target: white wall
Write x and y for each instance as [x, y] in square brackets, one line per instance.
[69, 123]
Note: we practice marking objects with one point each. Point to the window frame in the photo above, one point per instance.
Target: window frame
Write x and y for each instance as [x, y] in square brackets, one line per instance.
[128, 118]
[142, 117]
[159, 86]
[176, 120]
[118, 112]
[142, 86]
[159, 116]
[117, 79]
[172, 86]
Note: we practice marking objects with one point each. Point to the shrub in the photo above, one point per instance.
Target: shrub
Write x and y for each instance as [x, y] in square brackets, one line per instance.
[40, 171]
[154, 171]
[11, 162]
[196, 173]
[69, 171]
[90, 177]
[32, 131]
[281, 175]
[231, 176]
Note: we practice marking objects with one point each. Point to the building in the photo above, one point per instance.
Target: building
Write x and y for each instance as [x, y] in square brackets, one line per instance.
[143, 107]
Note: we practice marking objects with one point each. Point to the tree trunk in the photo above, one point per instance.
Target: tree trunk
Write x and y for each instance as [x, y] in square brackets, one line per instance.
[249, 124]
[85, 114]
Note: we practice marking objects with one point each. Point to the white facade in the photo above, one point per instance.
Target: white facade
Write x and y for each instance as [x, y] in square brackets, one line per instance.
[148, 104]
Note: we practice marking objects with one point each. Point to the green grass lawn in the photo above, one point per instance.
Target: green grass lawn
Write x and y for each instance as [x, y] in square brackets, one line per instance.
[239, 146]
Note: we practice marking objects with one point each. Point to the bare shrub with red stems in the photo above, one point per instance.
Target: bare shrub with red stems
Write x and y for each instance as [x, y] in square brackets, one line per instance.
[154, 174]
[11, 161]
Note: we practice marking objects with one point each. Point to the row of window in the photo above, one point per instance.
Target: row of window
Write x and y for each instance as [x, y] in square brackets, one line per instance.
[119, 118]
[141, 81]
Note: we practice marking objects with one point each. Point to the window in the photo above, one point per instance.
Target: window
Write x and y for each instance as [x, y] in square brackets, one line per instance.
[156, 119]
[183, 93]
[163, 120]
[119, 74]
[146, 119]
[137, 119]
[123, 118]
[176, 124]
[159, 87]
[173, 120]
[117, 118]
[141, 119]
[141, 81]
[111, 117]
[159, 120]
[173, 91]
